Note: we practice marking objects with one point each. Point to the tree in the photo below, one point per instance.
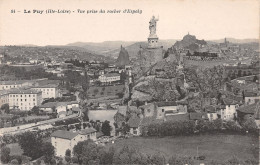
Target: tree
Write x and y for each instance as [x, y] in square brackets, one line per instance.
[68, 155]
[5, 154]
[5, 108]
[31, 144]
[250, 125]
[48, 152]
[157, 159]
[130, 156]
[35, 110]
[106, 128]
[87, 152]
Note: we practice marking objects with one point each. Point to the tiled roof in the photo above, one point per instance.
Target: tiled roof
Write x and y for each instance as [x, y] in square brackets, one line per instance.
[166, 103]
[250, 109]
[111, 74]
[198, 116]
[64, 134]
[227, 101]
[178, 117]
[47, 86]
[75, 109]
[210, 109]
[134, 122]
[49, 105]
[250, 94]
[87, 131]
[24, 91]
[66, 103]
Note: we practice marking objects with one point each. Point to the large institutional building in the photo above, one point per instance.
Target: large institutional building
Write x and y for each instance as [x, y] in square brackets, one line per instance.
[24, 99]
[48, 91]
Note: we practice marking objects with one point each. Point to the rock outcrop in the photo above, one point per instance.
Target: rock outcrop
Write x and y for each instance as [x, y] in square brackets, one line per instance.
[190, 42]
[123, 58]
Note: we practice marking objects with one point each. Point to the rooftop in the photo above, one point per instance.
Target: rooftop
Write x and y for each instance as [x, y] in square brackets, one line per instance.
[47, 86]
[249, 109]
[111, 74]
[49, 105]
[24, 91]
[227, 101]
[198, 116]
[64, 134]
[166, 103]
[87, 131]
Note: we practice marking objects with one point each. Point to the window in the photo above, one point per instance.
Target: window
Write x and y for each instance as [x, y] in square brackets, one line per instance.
[162, 110]
[21, 99]
[29, 95]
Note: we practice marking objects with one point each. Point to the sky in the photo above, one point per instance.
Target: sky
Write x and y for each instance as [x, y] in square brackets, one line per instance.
[206, 19]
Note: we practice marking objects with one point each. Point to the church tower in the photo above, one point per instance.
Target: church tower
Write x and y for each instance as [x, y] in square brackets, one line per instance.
[153, 39]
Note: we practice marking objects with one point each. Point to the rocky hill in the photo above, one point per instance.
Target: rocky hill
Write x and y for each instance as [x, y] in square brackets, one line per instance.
[190, 42]
[123, 58]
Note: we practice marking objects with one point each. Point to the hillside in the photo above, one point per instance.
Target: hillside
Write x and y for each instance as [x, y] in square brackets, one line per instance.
[56, 53]
[237, 41]
[190, 42]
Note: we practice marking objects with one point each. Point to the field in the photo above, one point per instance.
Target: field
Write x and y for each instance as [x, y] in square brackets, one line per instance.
[213, 147]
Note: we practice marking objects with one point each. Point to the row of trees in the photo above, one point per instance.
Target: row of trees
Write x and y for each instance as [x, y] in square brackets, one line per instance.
[88, 153]
[171, 128]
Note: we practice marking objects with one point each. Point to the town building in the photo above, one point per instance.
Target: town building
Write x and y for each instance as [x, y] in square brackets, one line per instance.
[133, 124]
[6, 85]
[251, 97]
[48, 107]
[24, 99]
[48, 91]
[4, 97]
[64, 140]
[109, 78]
[227, 111]
[250, 111]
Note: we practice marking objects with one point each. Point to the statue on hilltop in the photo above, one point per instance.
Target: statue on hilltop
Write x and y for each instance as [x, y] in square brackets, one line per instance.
[152, 26]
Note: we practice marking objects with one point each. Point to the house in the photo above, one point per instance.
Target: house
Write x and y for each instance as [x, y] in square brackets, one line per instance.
[48, 91]
[251, 97]
[198, 116]
[169, 108]
[66, 106]
[4, 97]
[227, 111]
[6, 85]
[211, 112]
[109, 77]
[48, 107]
[133, 124]
[61, 106]
[249, 111]
[63, 140]
[120, 116]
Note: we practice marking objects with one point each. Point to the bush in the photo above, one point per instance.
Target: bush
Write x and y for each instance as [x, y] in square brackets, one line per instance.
[5, 155]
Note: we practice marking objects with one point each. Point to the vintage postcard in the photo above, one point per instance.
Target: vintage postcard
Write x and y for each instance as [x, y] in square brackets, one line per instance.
[122, 82]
